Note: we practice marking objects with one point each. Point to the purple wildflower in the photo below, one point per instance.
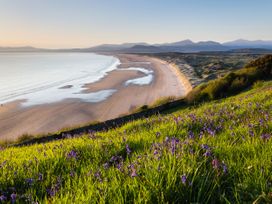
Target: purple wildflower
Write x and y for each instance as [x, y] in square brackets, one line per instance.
[201, 134]
[156, 152]
[191, 135]
[265, 137]
[29, 181]
[116, 161]
[158, 134]
[211, 132]
[250, 125]
[251, 133]
[205, 146]
[72, 154]
[97, 175]
[177, 119]
[184, 179]
[13, 197]
[106, 165]
[3, 198]
[119, 166]
[58, 184]
[173, 145]
[207, 153]
[72, 173]
[51, 192]
[40, 177]
[113, 159]
[225, 168]
[167, 139]
[128, 149]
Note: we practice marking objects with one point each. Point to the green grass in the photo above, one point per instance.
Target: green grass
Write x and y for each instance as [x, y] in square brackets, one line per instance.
[216, 152]
[233, 82]
[160, 102]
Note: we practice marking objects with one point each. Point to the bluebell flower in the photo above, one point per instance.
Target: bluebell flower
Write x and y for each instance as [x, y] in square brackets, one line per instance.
[13, 197]
[3, 198]
[184, 179]
[128, 149]
[72, 154]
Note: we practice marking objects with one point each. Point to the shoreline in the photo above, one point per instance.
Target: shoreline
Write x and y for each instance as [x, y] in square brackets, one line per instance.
[183, 79]
[41, 119]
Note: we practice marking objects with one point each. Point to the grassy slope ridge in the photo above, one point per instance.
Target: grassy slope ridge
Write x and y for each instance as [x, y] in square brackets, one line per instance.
[218, 152]
[234, 82]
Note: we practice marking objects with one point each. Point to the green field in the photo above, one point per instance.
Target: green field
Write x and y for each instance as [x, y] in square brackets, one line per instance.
[216, 152]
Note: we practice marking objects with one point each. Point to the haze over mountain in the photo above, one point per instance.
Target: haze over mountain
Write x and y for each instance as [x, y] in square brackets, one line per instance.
[179, 43]
[142, 47]
[20, 49]
[241, 43]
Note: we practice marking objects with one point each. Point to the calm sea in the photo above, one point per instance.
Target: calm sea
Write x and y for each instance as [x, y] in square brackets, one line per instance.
[39, 78]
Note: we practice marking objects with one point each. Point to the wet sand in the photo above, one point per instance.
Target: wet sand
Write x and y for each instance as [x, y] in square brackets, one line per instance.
[41, 119]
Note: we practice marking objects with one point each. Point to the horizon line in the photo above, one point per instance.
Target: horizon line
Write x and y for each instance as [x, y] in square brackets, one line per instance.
[139, 42]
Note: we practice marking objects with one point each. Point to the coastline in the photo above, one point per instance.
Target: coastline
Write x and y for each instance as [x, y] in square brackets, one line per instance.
[183, 79]
[42, 119]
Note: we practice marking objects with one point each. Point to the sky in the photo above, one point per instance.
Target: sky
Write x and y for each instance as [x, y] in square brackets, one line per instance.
[85, 23]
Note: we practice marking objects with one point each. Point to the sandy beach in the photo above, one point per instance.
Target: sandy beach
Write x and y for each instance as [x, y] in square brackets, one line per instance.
[41, 119]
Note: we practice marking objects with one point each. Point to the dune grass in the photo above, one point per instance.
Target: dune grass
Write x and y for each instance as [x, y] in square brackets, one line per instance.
[219, 152]
[233, 82]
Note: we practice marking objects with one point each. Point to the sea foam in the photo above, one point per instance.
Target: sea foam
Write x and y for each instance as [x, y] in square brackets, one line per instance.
[40, 78]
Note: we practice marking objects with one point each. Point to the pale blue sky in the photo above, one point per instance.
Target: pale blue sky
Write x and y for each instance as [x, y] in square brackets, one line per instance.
[83, 23]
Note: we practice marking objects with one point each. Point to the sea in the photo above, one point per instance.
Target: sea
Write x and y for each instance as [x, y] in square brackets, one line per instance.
[43, 78]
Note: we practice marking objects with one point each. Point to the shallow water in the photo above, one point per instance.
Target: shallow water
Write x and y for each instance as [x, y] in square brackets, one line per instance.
[39, 78]
[146, 80]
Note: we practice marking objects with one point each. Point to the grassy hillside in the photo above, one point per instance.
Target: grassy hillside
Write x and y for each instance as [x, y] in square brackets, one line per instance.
[233, 82]
[217, 152]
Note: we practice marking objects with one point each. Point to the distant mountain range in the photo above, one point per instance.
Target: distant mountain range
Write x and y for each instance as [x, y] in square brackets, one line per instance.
[186, 46]
[241, 43]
